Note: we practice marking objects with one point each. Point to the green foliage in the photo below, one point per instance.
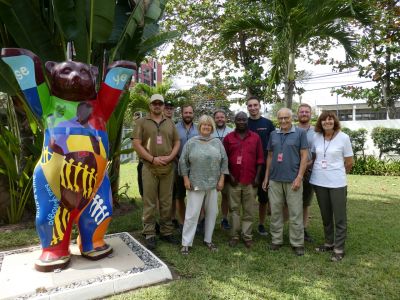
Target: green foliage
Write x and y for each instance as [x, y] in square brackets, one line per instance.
[370, 165]
[206, 98]
[387, 140]
[358, 139]
[19, 182]
[379, 48]
[200, 52]
[293, 25]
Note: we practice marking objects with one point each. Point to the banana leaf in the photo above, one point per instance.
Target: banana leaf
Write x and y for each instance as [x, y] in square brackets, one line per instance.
[24, 23]
[131, 35]
[66, 19]
[8, 83]
[103, 20]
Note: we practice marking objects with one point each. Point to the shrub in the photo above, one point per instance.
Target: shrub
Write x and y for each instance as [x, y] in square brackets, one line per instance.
[386, 140]
[358, 138]
[370, 165]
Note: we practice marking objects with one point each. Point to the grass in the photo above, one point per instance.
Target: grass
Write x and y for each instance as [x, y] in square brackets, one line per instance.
[370, 270]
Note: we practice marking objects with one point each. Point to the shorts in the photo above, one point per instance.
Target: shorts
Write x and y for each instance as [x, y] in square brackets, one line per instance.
[262, 195]
[307, 189]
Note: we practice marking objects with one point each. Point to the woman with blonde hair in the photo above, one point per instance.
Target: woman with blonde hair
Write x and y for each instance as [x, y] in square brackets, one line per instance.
[333, 158]
[203, 165]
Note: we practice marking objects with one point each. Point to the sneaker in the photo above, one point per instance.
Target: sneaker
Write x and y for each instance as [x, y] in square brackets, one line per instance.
[261, 230]
[170, 239]
[308, 237]
[157, 229]
[299, 251]
[151, 243]
[225, 224]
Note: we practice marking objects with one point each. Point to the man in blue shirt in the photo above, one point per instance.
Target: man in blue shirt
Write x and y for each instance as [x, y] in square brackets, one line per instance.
[286, 163]
[263, 127]
[186, 130]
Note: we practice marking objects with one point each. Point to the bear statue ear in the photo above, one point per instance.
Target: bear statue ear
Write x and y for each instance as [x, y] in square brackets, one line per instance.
[49, 66]
[95, 71]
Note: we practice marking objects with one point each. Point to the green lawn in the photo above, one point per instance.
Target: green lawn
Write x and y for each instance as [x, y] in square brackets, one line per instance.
[370, 269]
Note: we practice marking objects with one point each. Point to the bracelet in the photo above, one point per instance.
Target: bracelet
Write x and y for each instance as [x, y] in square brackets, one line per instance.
[152, 160]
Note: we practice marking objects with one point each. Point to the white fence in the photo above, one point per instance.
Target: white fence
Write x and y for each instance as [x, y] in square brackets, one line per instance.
[131, 157]
[370, 149]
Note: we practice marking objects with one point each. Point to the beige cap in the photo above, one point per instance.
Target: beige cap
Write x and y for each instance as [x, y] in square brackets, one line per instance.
[157, 97]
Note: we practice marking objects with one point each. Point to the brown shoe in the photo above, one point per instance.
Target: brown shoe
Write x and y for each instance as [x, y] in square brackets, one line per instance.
[233, 242]
[248, 243]
[275, 247]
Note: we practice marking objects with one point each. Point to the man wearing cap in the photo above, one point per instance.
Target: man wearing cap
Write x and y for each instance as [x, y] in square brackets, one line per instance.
[221, 131]
[169, 109]
[156, 141]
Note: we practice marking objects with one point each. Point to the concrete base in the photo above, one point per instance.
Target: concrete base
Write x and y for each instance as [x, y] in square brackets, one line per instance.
[130, 266]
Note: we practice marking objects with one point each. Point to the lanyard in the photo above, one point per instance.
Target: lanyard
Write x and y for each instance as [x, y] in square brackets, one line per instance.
[328, 144]
[158, 125]
[221, 136]
[187, 130]
[283, 140]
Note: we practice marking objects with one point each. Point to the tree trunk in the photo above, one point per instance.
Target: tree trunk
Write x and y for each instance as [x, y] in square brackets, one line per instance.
[4, 198]
[290, 80]
[115, 169]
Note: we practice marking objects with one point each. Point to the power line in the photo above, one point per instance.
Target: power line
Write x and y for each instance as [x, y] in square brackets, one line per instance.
[330, 87]
[329, 75]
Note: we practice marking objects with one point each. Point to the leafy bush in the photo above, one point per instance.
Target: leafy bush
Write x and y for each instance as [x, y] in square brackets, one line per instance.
[358, 138]
[370, 165]
[386, 140]
[19, 182]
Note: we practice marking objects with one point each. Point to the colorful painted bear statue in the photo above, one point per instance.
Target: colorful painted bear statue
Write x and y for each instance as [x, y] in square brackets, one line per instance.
[70, 181]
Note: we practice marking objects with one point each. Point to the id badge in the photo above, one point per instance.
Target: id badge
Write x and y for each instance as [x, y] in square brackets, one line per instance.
[159, 140]
[324, 164]
[280, 157]
[239, 160]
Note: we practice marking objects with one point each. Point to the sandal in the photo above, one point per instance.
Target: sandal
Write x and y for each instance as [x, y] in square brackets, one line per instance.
[212, 247]
[324, 248]
[185, 250]
[337, 256]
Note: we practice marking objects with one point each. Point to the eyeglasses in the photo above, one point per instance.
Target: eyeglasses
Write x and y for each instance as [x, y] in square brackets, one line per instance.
[283, 118]
[157, 103]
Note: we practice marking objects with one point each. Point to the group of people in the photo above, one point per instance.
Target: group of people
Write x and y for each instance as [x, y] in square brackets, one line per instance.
[281, 167]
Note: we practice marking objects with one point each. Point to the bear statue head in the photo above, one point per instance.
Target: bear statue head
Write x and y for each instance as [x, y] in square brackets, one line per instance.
[73, 81]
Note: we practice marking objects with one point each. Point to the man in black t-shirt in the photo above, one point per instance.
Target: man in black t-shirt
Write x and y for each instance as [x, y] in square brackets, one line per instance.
[263, 127]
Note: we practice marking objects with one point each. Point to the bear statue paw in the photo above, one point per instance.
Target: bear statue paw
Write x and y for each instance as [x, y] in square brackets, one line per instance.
[98, 252]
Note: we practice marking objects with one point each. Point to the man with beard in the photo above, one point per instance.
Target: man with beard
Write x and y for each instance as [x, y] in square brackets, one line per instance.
[220, 132]
[156, 141]
[304, 117]
[263, 127]
[245, 159]
[186, 130]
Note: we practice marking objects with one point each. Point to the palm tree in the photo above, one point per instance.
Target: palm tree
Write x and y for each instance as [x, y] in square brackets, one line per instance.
[293, 24]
